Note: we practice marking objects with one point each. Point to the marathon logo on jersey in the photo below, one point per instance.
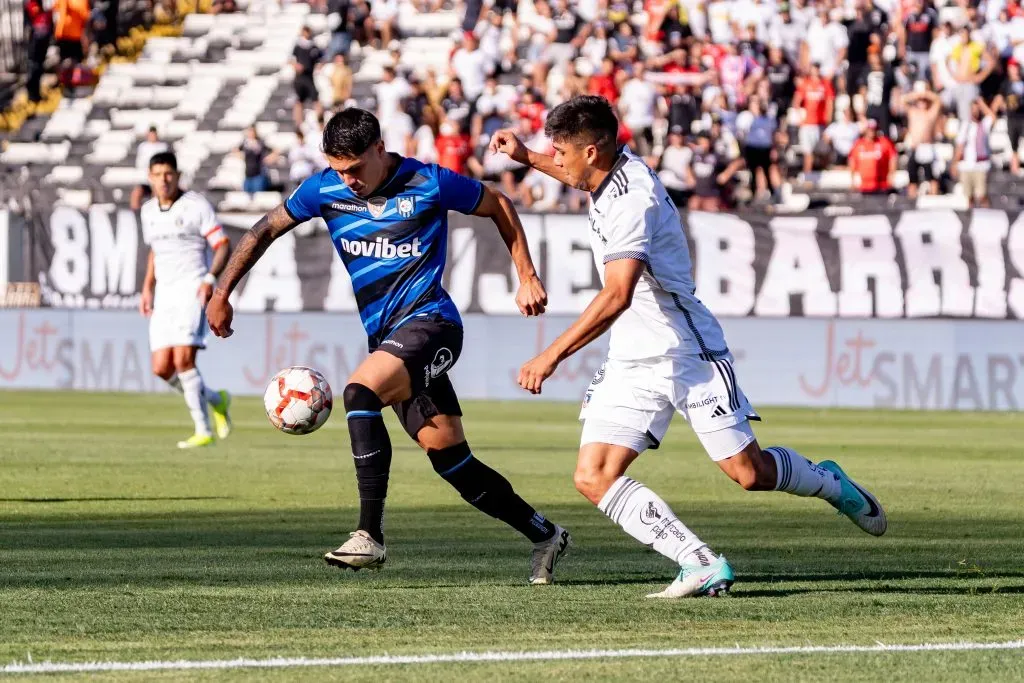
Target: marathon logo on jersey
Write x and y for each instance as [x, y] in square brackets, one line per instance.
[376, 205]
[381, 248]
[347, 206]
[406, 206]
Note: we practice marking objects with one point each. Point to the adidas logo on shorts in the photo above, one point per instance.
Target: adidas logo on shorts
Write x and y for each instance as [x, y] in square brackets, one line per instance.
[719, 411]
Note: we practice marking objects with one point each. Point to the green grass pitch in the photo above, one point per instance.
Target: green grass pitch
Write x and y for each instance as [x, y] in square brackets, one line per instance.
[114, 546]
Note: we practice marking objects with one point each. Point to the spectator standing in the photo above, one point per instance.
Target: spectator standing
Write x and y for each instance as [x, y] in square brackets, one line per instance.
[471, 66]
[457, 108]
[674, 168]
[876, 87]
[866, 34]
[816, 97]
[397, 133]
[425, 137]
[383, 21]
[390, 92]
[255, 153]
[305, 58]
[923, 109]
[841, 135]
[339, 18]
[756, 132]
[1010, 100]
[341, 81]
[873, 161]
[303, 161]
[973, 159]
[919, 26]
[969, 65]
[71, 17]
[638, 105]
[782, 79]
[40, 32]
[454, 148]
[603, 82]
[143, 153]
[826, 42]
[787, 34]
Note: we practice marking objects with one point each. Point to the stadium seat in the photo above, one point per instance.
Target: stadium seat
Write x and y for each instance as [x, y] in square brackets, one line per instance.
[122, 176]
[64, 175]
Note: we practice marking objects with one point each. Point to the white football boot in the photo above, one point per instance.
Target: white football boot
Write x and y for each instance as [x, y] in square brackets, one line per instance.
[360, 551]
[546, 555]
[694, 581]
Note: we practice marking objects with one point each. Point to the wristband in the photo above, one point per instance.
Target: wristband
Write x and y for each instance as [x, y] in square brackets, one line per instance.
[209, 279]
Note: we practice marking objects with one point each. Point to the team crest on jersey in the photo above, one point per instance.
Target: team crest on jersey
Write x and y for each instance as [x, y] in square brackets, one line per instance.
[406, 206]
[376, 206]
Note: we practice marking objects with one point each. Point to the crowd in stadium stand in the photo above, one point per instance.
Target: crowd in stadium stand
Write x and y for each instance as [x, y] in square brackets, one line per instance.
[708, 89]
[729, 100]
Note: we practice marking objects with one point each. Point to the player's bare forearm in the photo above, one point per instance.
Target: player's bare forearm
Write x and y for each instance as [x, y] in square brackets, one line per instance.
[621, 277]
[595, 320]
[251, 247]
[149, 281]
[220, 258]
[546, 165]
[496, 206]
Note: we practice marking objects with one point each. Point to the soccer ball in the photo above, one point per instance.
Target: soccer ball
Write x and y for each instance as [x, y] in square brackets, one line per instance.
[298, 400]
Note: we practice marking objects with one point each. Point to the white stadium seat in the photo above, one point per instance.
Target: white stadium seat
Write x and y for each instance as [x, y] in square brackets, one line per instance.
[64, 175]
[122, 176]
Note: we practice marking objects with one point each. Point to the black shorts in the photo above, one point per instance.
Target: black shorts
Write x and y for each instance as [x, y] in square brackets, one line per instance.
[305, 89]
[429, 347]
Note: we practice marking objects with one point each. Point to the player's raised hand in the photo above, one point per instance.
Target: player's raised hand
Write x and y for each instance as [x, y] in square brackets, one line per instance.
[535, 371]
[531, 297]
[506, 142]
[219, 314]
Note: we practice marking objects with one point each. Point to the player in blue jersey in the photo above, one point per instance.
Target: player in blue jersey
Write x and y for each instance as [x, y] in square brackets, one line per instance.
[387, 216]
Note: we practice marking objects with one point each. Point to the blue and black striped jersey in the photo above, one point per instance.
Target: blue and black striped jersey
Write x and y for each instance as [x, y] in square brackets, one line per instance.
[394, 244]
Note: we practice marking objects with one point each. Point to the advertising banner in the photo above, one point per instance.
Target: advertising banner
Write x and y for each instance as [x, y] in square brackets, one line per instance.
[918, 364]
[914, 264]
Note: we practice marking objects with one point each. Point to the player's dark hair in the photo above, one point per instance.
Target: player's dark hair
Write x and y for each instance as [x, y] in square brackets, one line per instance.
[350, 132]
[584, 120]
[164, 159]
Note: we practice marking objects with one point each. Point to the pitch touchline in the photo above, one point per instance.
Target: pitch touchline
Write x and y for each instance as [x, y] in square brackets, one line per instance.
[550, 655]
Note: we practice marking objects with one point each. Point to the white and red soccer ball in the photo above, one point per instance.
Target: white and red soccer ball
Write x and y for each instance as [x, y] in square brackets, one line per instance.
[298, 400]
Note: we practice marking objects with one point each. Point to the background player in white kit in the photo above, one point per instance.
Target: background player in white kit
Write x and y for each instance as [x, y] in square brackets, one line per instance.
[179, 227]
[667, 354]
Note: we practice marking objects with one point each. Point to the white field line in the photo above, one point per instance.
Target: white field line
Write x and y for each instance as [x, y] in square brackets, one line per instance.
[460, 657]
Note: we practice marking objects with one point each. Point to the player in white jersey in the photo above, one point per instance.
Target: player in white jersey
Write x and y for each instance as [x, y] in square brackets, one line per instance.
[181, 229]
[667, 354]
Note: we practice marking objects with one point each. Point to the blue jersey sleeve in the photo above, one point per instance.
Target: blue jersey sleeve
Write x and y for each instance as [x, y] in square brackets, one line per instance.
[304, 202]
[457, 192]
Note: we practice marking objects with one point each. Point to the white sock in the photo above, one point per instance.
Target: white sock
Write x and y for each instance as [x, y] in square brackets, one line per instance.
[175, 383]
[195, 399]
[648, 519]
[801, 477]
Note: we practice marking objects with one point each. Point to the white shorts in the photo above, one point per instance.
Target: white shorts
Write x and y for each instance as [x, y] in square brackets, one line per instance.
[642, 396]
[809, 137]
[178, 321]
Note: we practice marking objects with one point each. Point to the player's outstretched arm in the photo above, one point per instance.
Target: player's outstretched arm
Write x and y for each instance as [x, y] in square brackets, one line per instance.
[531, 297]
[251, 247]
[621, 276]
[507, 142]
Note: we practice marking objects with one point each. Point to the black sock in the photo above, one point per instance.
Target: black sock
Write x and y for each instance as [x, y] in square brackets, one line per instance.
[371, 451]
[489, 492]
